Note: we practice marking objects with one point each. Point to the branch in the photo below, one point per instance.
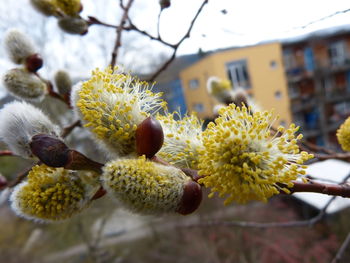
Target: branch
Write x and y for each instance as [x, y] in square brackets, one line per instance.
[20, 177]
[296, 223]
[338, 156]
[132, 26]
[53, 93]
[6, 153]
[342, 190]
[94, 21]
[119, 31]
[68, 129]
[176, 46]
[342, 249]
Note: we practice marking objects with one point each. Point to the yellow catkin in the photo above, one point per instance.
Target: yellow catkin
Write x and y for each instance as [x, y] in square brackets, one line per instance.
[112, 105]
[68, 7]
[49, 194]
[242, 162]
[182, 138]
[144, 186]
[343, 135]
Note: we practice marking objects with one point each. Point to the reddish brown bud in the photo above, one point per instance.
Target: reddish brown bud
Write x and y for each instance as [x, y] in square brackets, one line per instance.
[55, 153]
[100, 192]
[3, 181]
[50, 150]
[191, 198]
[149, 137]
[34, 63]
[164, 4]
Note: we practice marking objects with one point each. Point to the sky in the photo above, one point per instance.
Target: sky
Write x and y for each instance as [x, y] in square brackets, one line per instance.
[244, 23]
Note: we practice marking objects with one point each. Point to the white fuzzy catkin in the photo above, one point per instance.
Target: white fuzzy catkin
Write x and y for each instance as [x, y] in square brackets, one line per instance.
[73, 25]
[24, 85]
[63, 82]
[20, 121]
[18, 46]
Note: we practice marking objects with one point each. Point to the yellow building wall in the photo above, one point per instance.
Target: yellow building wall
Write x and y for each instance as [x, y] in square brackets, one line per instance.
[265, 80]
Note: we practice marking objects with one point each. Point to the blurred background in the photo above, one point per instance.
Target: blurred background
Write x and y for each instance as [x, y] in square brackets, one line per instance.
[293, 56]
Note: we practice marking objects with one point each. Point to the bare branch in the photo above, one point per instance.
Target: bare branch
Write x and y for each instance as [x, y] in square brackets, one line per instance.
[6, 153]
[176, 46]
[120, 31]
[94, 21]
[297, 223]
[68, 129]
[342, 249]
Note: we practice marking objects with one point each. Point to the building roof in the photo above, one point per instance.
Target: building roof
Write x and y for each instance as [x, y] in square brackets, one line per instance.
[322, 33]
[333, 170]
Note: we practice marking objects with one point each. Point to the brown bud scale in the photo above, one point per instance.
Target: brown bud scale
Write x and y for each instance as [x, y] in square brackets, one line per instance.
[149, 137]
[191, 198]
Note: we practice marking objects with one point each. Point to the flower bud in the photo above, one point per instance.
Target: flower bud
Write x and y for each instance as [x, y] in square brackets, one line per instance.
[191, 198]
[150, 188]
[73, 25]
[164, 4]
[69, 7]
[18, 46]
[24, 85]
[51, 194]
[63, 82]
[55, 153]
[343, 135]
[34, 63]
[149, 137]
[21, 121]
[46, 7]
[220, 89]
[50, 150]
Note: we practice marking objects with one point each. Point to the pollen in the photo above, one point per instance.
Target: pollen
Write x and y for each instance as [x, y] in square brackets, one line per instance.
[183, 138]
[112, 105]
[49, 194]
[343, 135]
[144, 186]
[242, 161]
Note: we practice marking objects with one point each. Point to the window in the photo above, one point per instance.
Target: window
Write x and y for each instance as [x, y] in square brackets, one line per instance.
[273, 64]
[198, 107]
[289, 59]
[337, 53]
[238, 74]
[278, 95]
[194, 84]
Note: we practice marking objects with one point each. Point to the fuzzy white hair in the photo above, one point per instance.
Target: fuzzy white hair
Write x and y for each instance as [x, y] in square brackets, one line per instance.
[18, 46]
[20, 121]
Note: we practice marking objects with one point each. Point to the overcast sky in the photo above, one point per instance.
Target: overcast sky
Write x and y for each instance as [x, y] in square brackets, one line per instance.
[248, 21]
[245, 22]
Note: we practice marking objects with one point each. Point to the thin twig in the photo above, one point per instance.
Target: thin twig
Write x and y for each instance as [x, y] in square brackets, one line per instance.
[316, 148]
[296, 223]
[94, 21]
[132, 26]
[119, 31]
[68, 129]
[20, 177]
[338, 156]
[158, 23]
[176, 46]
[6, 153]
[52, 92]
[342, 249]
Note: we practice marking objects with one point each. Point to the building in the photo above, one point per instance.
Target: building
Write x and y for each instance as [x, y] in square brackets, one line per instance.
[305, 79]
